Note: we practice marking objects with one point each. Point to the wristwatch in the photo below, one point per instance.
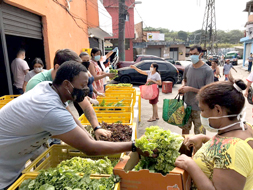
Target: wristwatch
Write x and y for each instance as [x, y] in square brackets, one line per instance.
[97, 127]
[134, 148]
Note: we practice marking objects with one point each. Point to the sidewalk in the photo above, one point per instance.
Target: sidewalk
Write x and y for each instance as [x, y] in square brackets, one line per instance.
[147, 108]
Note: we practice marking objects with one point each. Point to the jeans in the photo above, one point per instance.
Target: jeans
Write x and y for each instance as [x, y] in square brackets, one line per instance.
[249, 66]
[17, 90]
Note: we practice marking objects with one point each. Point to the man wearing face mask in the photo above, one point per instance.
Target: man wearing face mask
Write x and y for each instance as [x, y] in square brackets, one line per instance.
[62, 56]
[196, 75]
[47, 117]
[37, 68]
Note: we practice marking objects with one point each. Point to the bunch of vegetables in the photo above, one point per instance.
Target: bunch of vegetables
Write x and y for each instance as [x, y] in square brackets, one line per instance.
[115, 71]
[60, 179]
[86, 165]
[167, 145]
[112, 104]
[121, 85]
[120, 132]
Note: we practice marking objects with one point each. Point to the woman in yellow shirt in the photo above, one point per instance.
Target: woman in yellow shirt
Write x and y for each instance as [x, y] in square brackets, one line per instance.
[224, 162]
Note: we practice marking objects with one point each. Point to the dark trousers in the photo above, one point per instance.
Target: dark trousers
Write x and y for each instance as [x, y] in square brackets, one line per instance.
[17, 90]
[249, 66]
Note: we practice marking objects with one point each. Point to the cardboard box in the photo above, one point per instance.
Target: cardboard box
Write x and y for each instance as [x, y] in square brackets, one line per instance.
[177, 179]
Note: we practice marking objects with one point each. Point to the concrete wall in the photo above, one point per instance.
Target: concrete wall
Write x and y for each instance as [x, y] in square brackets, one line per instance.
[181, 51]
[59, 29]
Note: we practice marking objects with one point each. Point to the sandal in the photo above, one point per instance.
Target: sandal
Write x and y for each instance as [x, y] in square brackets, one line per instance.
[151, 120]
[157, 118]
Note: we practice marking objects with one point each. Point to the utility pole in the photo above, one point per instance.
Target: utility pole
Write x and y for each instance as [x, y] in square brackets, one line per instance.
[121, 40]
[209, 26]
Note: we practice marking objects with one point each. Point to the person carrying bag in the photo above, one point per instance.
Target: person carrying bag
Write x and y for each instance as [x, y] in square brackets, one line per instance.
[175, 111]
[153, 80]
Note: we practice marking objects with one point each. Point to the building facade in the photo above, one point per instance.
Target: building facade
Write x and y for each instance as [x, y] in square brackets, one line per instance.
[43, 27]
[112, 6]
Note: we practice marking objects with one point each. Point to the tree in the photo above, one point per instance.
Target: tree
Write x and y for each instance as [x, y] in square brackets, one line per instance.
[182, 35]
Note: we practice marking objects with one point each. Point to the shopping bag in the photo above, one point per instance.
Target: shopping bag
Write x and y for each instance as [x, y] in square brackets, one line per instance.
[175, 111]
[149, 92]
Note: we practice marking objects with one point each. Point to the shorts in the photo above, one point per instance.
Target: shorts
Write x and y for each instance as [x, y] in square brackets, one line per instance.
[195, 119]
[226, 77]
[155, 101]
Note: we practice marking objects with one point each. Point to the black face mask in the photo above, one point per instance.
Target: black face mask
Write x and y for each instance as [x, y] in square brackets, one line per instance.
[86, 64]
[78, 95]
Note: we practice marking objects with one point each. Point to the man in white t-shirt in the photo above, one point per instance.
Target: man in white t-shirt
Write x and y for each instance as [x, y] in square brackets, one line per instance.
[29, 120]
[19, 68]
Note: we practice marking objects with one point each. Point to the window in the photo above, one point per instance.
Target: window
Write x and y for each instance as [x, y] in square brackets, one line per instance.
[145, 66]
[162, 67]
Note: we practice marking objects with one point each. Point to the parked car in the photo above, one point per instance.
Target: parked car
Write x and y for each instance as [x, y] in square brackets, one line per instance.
[171, 60]
[167, 71]
[122, 64]
[183, 63]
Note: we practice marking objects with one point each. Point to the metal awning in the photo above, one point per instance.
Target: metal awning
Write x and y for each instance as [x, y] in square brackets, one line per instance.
[249, 6]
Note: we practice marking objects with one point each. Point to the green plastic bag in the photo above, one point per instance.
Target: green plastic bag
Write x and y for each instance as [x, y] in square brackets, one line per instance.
[174, 111]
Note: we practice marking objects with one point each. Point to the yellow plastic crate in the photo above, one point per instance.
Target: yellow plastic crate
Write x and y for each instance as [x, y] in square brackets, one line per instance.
[34, 175]
[120, 91]
[117, 85]
[57, 153]
[6, 99]
[123, 117]
[139, 104]
[128, 106]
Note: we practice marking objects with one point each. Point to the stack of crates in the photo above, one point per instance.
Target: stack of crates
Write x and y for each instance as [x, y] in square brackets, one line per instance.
[113, 114]
[55, 155]
[6, 99]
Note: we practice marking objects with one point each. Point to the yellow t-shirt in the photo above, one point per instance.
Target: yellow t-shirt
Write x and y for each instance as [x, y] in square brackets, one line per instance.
[227, 153]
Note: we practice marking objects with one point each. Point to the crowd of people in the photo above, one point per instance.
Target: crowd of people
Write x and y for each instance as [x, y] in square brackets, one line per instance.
[223, 161]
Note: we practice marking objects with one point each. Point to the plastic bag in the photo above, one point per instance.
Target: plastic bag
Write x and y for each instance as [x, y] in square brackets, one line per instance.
[175, 112]
[149, 92]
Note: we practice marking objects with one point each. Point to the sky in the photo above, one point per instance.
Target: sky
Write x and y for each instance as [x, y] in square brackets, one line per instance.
[187, 15]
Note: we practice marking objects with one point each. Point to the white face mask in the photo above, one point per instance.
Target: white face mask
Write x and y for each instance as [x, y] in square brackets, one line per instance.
[151, 69]
[38, 70]
[206, 124]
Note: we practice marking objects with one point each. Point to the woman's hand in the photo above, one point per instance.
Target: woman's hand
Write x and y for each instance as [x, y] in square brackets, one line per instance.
[111, 75]
[184, 162]
[195, 141]
[133, 67]
[100, 94]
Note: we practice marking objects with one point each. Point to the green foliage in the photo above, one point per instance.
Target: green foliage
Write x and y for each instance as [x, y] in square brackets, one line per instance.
[167, 144]
[60, 179]
[86, 165]
[223, 37]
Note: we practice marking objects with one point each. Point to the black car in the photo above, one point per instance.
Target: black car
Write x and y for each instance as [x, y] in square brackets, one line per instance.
[167, 71]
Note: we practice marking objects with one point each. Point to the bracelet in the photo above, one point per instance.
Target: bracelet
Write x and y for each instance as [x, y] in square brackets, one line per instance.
[96, 128]
[134, 148]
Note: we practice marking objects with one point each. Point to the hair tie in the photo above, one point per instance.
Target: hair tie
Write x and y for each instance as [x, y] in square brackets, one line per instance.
[237, 87]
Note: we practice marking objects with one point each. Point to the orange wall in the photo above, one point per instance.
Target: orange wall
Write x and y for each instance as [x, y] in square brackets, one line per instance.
[59, 29]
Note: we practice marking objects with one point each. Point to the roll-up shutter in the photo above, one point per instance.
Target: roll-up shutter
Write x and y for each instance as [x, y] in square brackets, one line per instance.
[19, 22]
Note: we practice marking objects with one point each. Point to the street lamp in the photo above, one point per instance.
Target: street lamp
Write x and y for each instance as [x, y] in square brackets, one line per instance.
[122, 18]
[136, 2]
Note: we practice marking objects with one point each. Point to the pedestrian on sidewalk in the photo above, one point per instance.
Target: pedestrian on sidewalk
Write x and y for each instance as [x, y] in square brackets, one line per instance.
[225, 160]
[19, 68]
[216, 70]
[250, 59]
[154, 77]
[249, 82]
[226, 69]
[196, 75]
